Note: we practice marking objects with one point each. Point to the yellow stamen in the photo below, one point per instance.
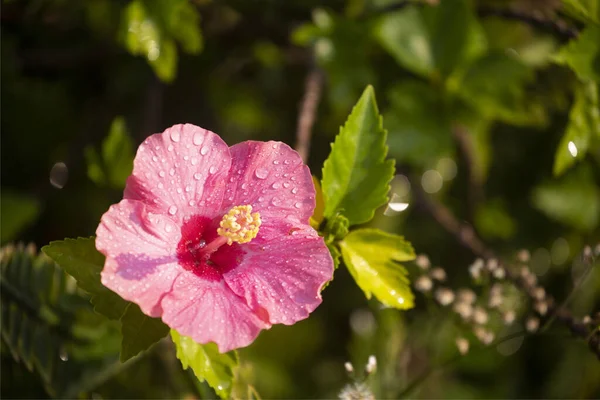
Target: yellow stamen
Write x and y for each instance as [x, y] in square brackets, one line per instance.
[239, 225]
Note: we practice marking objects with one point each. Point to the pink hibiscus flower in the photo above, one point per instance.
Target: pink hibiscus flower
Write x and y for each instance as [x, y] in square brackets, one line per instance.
[215, 240]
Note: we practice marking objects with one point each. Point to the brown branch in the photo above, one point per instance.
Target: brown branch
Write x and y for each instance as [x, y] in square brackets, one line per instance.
[467, 237]
[308, 110]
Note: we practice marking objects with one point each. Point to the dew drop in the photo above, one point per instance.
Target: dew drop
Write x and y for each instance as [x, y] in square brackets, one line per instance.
[275, 162]
[154, 158]
[188, 188]
[298, 205]
[197, 139]
[170, 148]
[186, 158]
[179, 190]
[192, 203]
[194, 161]
[172, 171]
[197, 176]
[173, 210]
[204, 150]
[295, 190]
[212, 169]
[286, 185]
[261, 173]
[168, 228]
[275, 185]
[175, 135]
[160, 185]
[161, 174]
[286, 162]
[244, 186]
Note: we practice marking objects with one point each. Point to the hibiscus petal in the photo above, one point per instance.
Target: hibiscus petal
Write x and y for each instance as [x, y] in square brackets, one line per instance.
[139, 246]
[209, 311]
[283, 273]
[271, 177]
[181, 172]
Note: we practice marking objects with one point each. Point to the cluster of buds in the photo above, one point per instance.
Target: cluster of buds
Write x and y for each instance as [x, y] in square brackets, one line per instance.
[359, 388]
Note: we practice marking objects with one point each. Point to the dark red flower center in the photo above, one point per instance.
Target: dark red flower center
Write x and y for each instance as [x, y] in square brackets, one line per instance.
[200, 249]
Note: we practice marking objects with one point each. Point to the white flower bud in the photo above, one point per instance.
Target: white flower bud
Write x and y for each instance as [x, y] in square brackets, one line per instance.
[422, 261]
[475, 268]
[438, 274]
[423, 284]
[463, 345]
[480, 316]
[495, 301]
[586, 320]
[523, 256]
[444, 296]
[532, 324]
[466, 296]
[499, 273]
[492, 264]
[587, 251]
[371, 365]
[348, 366]
[539, 293]
[465, 310]
[509, 317]
[541, 307]
[486, 337]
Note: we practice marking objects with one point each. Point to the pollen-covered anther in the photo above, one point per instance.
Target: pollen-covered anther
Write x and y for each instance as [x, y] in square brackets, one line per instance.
[239, 225]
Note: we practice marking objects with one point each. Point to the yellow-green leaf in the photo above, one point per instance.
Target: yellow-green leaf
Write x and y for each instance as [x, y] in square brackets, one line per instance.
[371, 256]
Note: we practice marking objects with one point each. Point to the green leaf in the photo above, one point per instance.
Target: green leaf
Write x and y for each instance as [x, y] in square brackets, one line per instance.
[419, 129]
[584, 125]
[335, 254]
[573, 200]
[18, 212]
[371, 256]
[117, 157]
[139, 331]
[207, 363]
[582, 55]
[494, 85]
[144, 35]
[48, 324]
[317, 216]
[432, 40]
[584, 10]
[356, 175]
[492, 220]
[80, 259]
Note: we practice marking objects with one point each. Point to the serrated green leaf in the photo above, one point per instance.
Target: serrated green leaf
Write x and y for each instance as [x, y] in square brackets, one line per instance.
[584, 125]
[371, 256]
[432, 40]
[356, 175]
[584, 10]
[573, 200]
[144, 34]
[18, 212]
[80, 259]
[139, 331]
[207, 363]
[494, 85]
[583, 54]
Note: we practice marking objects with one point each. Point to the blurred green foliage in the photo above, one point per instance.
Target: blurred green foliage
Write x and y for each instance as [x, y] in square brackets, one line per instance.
[510, 101]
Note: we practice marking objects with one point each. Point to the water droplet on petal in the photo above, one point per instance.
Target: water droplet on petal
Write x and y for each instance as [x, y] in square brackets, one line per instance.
[197, 176]
[275, 185]
[197, 139]
[173, 210]
[170, 148]
[194, 161]
[261, 173]
[154, 158]
[168, 228]
[161, 174]
[172, 171]
[212, 169]
[192, 203]
[295, 190]
[275, 162]
[298, 205]
[204, 150]
[188, 188]
[175, 135]
[286, 185]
